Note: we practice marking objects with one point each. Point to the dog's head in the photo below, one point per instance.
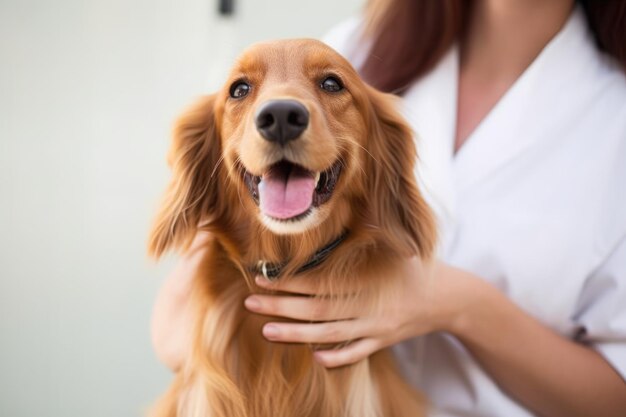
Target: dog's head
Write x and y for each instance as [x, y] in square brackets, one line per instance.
[295, 142]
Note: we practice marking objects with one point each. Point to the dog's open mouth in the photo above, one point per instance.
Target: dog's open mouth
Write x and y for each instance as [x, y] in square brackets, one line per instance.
[288, 191]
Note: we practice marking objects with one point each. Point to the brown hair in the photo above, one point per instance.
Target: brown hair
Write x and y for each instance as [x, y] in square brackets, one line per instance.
[607, 20]
[411, 36]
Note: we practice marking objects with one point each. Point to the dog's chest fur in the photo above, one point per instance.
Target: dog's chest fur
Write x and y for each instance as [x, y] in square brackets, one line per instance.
[238, 373]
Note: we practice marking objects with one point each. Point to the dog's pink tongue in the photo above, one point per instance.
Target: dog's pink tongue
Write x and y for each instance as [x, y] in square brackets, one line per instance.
[286, 191]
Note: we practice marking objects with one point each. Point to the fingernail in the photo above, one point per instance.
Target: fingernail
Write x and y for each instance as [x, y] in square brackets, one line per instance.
[252, 303]
[261, 280]
[270, 331]
[319, 357]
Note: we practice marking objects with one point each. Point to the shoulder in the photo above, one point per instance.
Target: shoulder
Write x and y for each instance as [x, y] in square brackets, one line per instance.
[604, 121]
[597, 80]
[348, 38]
[601, 128]
[588, 109]
[608, 92]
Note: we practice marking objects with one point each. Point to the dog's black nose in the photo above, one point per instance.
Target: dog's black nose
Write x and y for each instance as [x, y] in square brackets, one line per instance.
[281, 120]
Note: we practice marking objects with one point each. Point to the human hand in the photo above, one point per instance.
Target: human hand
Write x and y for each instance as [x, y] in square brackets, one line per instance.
[427, 300]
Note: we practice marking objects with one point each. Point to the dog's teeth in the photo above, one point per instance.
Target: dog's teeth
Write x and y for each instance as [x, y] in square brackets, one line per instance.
[317, 178]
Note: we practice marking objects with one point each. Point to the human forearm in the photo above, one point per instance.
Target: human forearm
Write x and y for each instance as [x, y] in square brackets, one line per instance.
[172, 316]
[549, 374]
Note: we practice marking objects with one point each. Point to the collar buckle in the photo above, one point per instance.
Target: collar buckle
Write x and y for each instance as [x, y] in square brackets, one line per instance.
[272, 271]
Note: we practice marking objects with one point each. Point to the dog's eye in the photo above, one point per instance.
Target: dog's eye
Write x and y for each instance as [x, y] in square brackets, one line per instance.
[331, 84]
[239, 89]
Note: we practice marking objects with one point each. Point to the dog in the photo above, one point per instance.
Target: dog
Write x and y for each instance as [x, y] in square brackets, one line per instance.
[297, 168]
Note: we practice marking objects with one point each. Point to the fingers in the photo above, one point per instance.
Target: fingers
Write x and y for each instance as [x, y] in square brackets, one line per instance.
[351, 332]
[300, 307]
[350, 354]
[292, 285]
[318, 333]
[335, 322]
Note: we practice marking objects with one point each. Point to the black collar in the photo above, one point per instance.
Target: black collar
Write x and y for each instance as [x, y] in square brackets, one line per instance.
[272, 271]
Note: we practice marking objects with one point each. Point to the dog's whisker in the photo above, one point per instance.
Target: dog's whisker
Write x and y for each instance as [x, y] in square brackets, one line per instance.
[219, 161]
[368, 152]
[347, 149]
[240, 172]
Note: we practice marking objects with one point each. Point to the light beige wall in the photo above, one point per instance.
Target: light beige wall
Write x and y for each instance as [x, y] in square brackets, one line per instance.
[88, 91]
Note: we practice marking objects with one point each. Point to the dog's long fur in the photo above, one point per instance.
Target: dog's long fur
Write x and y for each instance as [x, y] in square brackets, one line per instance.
[231, 370]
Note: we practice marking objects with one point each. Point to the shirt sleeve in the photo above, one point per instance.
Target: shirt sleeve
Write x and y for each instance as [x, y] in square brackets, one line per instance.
[602, 309]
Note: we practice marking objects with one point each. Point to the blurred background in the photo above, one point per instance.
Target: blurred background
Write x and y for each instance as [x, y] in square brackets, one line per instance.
[88, 93]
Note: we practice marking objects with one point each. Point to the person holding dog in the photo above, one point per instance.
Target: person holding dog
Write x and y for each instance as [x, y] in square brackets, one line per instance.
[520, 107]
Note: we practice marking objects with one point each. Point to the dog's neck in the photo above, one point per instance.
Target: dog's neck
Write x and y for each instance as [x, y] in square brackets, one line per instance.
[247, 242]
[273, 271]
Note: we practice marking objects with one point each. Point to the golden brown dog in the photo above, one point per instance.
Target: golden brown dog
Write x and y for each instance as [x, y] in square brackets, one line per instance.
[293, 156]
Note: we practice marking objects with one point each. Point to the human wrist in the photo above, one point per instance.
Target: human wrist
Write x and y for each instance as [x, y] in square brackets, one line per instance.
[482, 303]
[462, 296]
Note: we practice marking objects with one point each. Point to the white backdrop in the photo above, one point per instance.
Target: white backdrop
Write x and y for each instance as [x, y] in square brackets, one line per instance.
[88, 92]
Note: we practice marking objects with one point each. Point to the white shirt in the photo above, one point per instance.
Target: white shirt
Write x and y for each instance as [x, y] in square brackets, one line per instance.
[534, 202]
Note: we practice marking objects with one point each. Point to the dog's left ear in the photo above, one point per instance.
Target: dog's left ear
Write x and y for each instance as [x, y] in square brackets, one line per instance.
[396, 203]
[192, 193]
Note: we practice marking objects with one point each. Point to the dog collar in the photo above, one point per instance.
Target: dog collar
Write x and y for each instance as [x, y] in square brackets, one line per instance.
[272, 271]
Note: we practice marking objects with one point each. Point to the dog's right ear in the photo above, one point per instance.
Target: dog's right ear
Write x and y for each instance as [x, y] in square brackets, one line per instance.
[193, 157]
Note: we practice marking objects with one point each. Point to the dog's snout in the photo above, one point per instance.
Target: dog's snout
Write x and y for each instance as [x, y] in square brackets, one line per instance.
[282, 120]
